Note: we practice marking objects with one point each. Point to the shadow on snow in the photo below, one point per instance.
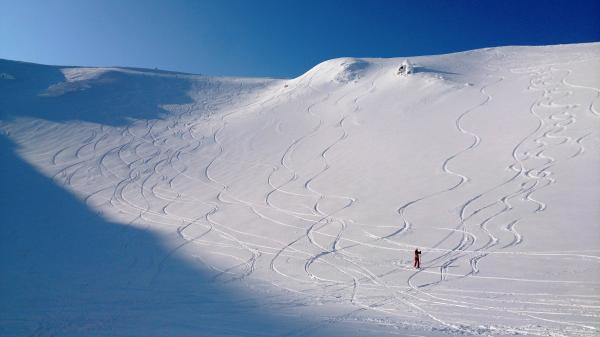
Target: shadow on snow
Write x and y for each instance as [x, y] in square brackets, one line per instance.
[112, 97]
[66, 271]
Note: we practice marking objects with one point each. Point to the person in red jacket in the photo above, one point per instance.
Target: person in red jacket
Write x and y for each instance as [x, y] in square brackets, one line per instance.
[417, 258]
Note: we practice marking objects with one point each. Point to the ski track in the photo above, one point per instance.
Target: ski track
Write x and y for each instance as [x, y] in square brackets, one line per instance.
[145, 170]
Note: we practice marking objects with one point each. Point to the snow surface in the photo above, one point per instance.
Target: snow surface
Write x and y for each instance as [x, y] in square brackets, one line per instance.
[149, 203]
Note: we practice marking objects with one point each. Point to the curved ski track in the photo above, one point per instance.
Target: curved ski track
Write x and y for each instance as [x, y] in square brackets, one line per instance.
[144, 172]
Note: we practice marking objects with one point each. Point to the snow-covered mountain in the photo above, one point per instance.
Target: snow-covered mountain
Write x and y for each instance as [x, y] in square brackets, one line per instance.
[151, 203]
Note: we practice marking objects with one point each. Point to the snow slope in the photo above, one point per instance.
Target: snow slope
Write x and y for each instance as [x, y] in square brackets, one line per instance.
[151, 203]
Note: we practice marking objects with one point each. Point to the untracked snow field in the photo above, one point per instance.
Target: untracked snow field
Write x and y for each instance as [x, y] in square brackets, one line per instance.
[150, 203]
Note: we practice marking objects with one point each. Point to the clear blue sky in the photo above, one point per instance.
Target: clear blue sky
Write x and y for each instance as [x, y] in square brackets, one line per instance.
[276, 38]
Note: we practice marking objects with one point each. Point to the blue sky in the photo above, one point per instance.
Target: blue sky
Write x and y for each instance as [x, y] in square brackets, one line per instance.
[276, 38]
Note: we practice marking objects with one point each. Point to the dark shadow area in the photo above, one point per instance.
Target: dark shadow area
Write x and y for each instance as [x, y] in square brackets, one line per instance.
[418, 69]
[111, 98]
[65, 271]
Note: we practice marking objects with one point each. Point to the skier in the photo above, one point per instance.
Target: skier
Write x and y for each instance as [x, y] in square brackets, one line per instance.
[417, 258]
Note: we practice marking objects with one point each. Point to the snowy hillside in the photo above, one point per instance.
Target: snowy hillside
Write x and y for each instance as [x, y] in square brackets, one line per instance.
[150, 203]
